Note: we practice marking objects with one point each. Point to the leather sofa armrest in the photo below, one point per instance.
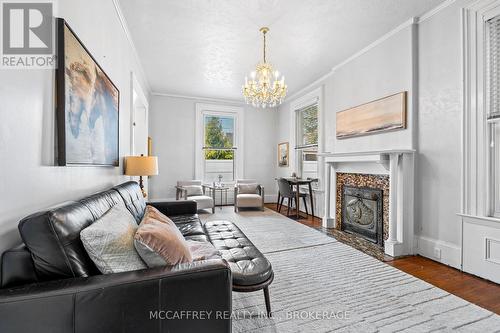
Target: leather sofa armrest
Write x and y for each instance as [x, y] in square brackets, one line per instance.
[125, 302]
[17, 267]
[172, 208]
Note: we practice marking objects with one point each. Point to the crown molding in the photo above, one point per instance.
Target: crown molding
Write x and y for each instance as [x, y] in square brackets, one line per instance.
[413, 20]
[199, 98]
[435, 10]
[126, 30]
[377, 42]
[372, 45]
[306, 89]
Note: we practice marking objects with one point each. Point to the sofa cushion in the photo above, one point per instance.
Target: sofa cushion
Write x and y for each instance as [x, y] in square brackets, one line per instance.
[185, 218]
[248, 265]
[249, 200]
[190, 229]
[203, 201]
[159, 242]
[109, 241]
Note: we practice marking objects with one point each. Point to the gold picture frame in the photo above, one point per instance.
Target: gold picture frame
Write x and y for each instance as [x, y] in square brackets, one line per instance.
[283, 154]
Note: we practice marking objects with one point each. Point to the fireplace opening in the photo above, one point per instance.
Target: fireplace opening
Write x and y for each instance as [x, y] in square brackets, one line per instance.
[362, 213]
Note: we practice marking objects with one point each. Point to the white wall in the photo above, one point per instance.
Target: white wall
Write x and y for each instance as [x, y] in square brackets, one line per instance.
[383, 70]
[172, 127]
[438, 168]
[434, 130]
[29, 179]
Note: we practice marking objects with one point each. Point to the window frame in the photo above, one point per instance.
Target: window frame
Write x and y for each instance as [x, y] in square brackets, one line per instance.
[235, 112]
[314, 96]
[205, 148]
[302, 149]
[477, 184]
[494, 164]
[492, 128]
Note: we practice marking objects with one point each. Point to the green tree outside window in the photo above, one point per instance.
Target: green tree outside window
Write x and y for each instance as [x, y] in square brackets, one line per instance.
[217, 136]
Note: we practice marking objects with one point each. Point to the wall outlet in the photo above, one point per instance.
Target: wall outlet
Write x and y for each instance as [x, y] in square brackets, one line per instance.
[437, 253]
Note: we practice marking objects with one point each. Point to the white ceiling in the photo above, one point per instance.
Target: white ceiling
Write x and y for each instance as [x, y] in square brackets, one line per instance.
[206, 47]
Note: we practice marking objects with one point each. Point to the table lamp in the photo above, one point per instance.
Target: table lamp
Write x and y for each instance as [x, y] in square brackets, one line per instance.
[141, 166]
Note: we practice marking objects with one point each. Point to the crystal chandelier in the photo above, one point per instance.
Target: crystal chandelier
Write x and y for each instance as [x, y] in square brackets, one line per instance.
[265, 87]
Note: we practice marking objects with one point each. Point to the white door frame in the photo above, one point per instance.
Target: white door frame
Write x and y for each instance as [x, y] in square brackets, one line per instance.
[135, 87]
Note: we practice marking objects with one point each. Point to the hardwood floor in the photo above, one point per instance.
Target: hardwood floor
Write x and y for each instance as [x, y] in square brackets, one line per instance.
[481, 292]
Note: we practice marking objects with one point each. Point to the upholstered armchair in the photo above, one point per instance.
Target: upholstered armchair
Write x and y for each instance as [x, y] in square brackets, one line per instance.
[248, 193]
[196, 191]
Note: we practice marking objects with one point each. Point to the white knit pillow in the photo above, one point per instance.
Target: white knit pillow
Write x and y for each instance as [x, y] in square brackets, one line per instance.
[109, 242]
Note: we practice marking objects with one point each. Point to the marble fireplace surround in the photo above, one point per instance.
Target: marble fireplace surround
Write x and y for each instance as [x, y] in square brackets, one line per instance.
[398, 165]
[379, 182]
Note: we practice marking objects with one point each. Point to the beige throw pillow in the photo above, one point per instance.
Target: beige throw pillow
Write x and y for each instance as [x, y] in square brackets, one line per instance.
[203, 250]
[192, 190]
[248, 188]
[159, 242]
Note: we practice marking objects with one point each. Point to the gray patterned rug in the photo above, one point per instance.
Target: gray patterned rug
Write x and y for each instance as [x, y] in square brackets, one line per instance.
[322, 285]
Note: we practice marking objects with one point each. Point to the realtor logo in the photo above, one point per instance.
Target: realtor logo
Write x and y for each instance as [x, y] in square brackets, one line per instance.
[27, 29]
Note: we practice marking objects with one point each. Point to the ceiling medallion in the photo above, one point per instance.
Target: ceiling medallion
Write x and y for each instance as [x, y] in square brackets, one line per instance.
[265, 87]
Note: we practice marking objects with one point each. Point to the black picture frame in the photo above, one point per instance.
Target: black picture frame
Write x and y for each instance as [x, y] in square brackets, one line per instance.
[61, 100]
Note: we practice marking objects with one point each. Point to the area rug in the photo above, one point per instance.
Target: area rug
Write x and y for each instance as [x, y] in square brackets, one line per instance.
[322, 285]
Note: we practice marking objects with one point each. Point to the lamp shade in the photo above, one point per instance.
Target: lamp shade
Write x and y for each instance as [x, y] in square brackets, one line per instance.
[141, 165]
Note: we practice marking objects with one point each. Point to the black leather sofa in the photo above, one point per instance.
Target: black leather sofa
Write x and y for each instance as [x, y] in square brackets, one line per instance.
[49, 284]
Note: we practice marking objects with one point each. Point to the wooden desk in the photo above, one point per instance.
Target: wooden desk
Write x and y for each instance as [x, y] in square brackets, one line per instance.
[297, 182]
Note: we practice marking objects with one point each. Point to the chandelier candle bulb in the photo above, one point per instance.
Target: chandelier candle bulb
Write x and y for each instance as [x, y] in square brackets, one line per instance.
[265, 88]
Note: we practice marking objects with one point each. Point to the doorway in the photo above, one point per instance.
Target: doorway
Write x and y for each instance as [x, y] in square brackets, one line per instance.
[139, 121]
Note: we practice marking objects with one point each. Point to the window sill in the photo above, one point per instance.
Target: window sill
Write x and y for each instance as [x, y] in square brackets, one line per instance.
[483, 218]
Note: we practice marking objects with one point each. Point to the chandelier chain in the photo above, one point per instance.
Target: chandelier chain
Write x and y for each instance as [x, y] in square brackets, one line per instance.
[264, 46]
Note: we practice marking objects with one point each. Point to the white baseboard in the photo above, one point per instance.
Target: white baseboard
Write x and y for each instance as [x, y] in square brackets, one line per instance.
[450, 253]
[270, 198]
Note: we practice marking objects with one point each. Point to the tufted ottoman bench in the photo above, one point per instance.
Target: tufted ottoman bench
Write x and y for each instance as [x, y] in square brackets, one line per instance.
[250, 269]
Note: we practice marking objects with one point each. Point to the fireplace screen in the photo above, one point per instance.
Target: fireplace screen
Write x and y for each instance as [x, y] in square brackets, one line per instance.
[362, 213]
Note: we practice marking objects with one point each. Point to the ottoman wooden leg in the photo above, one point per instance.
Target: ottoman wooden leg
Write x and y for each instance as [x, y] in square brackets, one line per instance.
[268, 302]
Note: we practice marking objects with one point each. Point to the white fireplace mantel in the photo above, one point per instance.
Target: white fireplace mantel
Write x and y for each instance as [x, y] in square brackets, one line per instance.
[400, 167]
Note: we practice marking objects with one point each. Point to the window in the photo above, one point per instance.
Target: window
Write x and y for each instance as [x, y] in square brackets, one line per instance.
[493, 110]
[218, 143]
[218, 150]
[307, 141]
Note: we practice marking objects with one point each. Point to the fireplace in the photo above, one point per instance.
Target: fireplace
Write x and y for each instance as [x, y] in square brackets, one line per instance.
[363, 213]
[391, 171]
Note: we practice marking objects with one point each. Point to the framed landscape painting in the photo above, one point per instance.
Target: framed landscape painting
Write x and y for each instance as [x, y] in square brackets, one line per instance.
[87, 105]
[283, 152]
[385, 114]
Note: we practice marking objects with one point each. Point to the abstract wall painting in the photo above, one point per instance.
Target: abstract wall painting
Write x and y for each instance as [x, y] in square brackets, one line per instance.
[87, 105]
[382, 115]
